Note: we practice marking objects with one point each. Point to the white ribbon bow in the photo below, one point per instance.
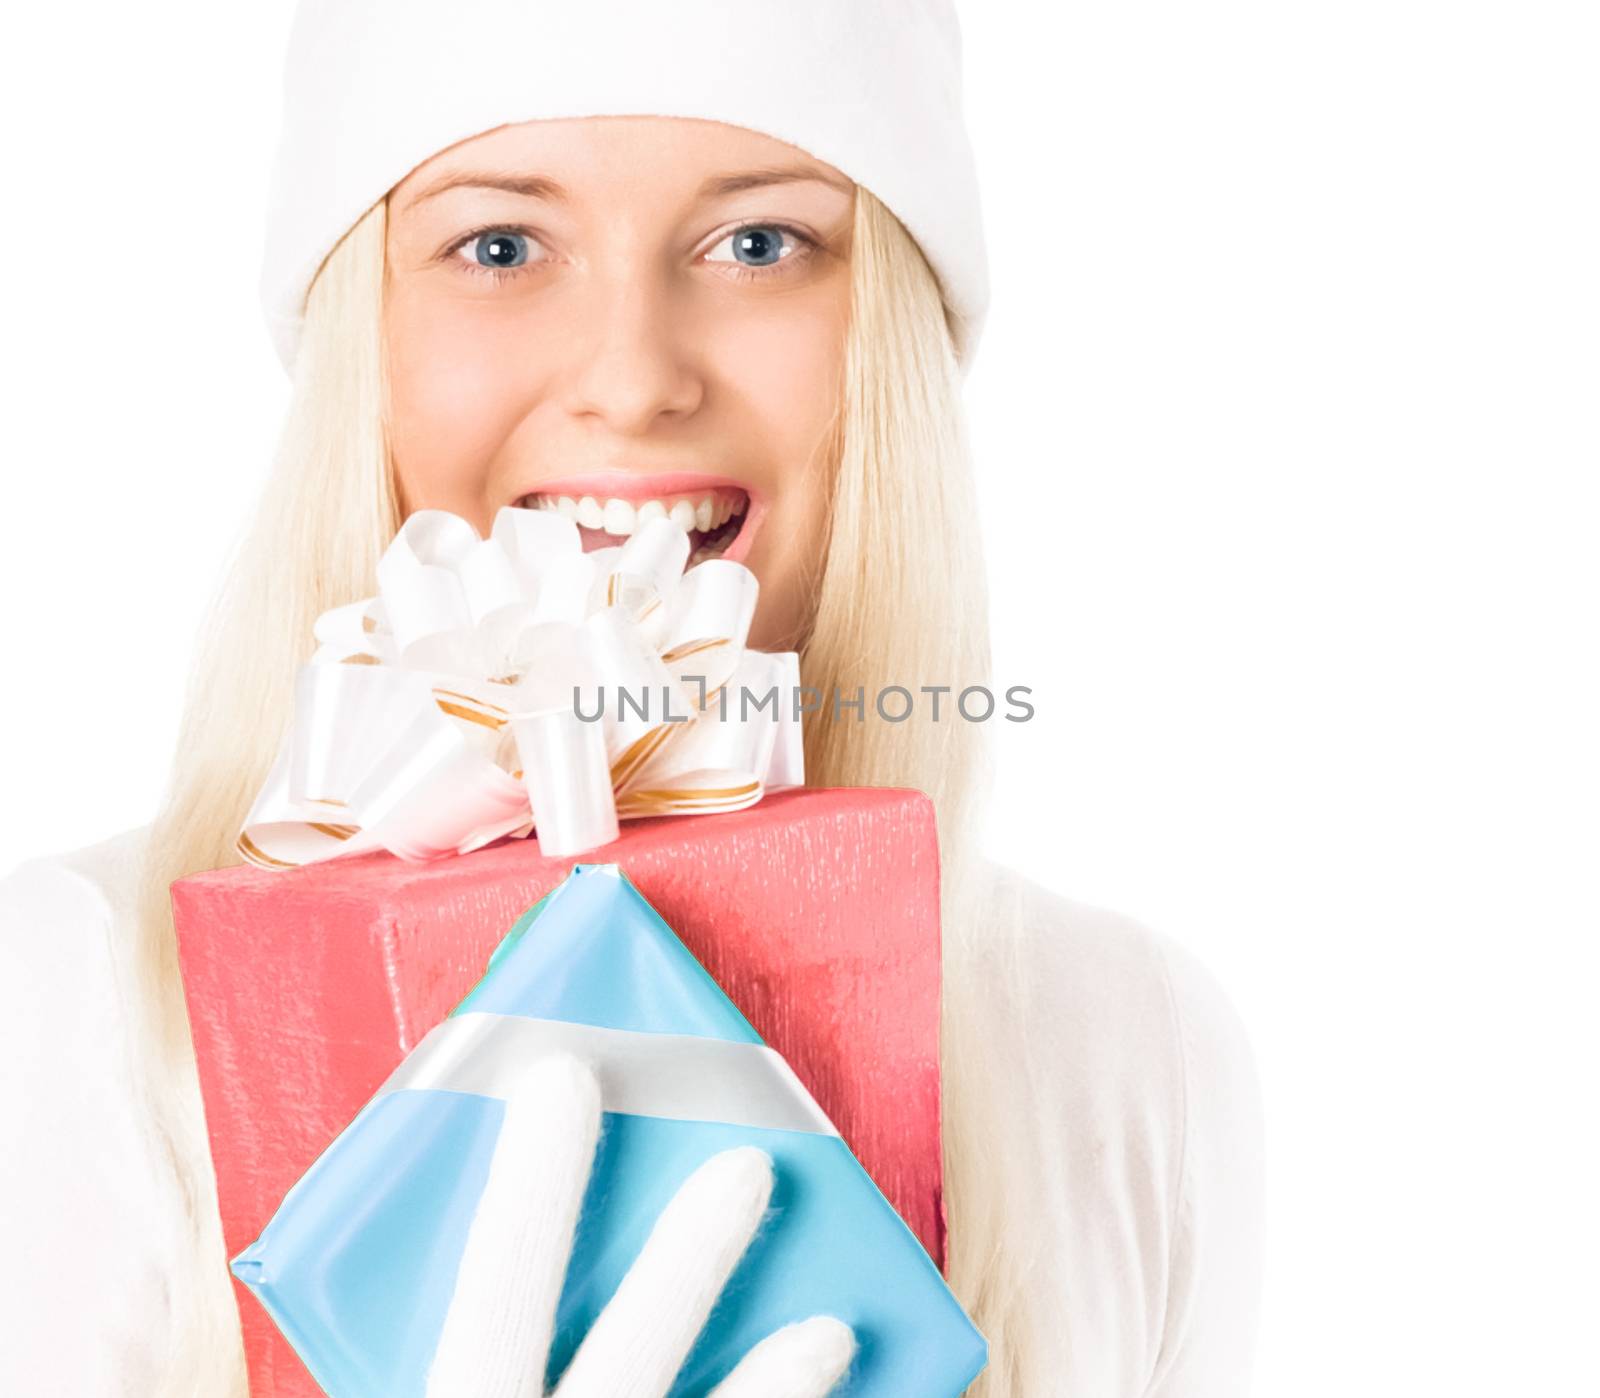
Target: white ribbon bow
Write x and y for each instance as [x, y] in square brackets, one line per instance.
[445, 712]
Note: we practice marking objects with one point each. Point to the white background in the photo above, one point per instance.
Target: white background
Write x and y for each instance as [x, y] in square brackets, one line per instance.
[1287, 426]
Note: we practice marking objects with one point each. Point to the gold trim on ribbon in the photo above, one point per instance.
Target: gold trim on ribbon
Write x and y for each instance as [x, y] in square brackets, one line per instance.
[669, 800]
[258, 856]
[683, 652]
[472, 699]
[472, 709]
[472, 716]
[638, 752]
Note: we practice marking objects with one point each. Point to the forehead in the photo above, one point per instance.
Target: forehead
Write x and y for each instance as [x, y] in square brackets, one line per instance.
[592, 157]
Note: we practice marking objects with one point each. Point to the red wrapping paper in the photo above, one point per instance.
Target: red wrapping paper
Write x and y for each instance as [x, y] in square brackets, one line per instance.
[817, 911]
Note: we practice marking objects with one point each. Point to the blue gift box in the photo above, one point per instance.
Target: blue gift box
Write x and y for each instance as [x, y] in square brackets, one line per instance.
[358, 1264]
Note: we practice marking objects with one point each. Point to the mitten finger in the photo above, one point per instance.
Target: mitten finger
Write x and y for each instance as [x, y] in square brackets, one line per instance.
[803, 1360]
[497, 1331]
[638, 1344]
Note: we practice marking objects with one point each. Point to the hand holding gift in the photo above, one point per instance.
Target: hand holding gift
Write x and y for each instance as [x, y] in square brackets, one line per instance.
[422, 1248]
[497, 1332]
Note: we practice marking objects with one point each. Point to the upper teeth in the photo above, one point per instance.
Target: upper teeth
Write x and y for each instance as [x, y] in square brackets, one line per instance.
[622, 517]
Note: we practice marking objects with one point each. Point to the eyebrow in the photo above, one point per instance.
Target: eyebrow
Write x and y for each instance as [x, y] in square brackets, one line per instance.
[719, 185]
[541, 187]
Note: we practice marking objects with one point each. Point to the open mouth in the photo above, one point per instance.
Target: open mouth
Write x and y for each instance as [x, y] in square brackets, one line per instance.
[712, 518]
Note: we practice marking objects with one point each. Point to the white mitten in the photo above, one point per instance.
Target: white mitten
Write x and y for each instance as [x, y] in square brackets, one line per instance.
[497, 1332]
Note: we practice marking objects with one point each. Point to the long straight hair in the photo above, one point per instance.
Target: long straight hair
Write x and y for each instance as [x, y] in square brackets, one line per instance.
[898, 599]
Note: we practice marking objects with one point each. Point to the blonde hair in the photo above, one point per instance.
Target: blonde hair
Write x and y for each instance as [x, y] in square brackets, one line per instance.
[899, 599]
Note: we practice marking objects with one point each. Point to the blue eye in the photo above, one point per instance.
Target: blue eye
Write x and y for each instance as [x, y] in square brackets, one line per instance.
[757, 247]
[500, 249]
[760, 245]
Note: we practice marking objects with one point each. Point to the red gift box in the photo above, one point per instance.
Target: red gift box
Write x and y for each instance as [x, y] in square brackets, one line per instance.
[817, 911]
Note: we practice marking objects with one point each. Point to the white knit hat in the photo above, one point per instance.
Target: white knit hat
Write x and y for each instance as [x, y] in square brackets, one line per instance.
[372, 88]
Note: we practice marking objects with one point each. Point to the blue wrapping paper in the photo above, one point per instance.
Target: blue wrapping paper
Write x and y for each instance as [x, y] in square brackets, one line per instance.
[358, 1264]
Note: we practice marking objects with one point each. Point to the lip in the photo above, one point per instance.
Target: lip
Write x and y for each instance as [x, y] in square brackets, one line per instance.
[636, 486]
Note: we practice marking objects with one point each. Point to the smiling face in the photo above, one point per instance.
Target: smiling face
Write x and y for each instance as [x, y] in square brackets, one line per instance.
[620, 317]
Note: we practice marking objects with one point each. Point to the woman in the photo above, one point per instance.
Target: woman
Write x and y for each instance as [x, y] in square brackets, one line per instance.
[564, 256]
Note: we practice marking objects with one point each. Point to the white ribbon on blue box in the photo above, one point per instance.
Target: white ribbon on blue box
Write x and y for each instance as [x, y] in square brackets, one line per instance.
[358, 1264]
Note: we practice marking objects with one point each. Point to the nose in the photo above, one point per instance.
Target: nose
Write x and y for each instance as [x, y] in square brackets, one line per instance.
[630, 368]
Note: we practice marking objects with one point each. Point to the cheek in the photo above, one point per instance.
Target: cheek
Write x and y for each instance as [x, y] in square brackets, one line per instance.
[785, 374]
[455, 395]
[786, 371]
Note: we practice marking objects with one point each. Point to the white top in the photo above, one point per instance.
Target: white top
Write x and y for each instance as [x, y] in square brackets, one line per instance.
[1132, 1124]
